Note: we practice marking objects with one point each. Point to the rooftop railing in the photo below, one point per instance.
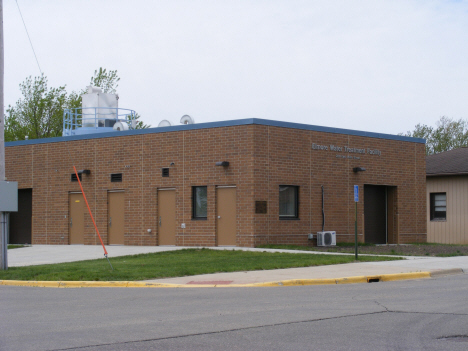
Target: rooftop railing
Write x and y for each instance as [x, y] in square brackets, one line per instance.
[97, 119]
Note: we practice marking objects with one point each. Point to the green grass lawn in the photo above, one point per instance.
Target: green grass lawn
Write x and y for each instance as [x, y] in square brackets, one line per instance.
[174, 264]
[340, 247]
[415, 249]
[14, 246]
[311, 248]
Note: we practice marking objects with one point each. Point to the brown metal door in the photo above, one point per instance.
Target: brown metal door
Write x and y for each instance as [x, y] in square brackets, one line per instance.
[21, 221]
[226, 215]
[76, 219]
[375, 214]
[115, 217]
[166, 217]
[392, 237]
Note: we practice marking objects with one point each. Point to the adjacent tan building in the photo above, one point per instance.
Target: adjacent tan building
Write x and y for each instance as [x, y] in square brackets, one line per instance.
[447, 197]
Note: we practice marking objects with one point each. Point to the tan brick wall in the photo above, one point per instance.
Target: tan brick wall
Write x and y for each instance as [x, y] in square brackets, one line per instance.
[285, 156]
[261, 158]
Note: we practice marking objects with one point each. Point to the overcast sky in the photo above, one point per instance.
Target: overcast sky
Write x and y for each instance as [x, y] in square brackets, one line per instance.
[380, 66]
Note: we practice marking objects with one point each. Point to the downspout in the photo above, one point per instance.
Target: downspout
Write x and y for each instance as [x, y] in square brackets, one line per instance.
[323, 210]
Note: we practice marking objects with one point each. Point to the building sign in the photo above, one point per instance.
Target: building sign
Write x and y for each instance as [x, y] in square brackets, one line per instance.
[346, 151]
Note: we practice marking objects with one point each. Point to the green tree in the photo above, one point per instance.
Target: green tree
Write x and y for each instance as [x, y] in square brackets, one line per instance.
[447, 135]
[106, 80]
[140, 124]
[38, 114]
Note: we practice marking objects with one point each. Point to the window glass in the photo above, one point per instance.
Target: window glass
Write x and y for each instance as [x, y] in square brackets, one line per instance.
[200, 202]
[438, 206]
[288, 201]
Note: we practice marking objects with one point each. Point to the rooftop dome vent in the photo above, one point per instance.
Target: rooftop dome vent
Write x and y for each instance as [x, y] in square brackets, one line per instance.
[120, 126]
[186, 119]
[164, 123]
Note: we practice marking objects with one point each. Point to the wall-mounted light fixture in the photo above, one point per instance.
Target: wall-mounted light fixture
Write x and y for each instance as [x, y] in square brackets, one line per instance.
[358, 169]
[84, 171]
[223, 163]
[172, 164]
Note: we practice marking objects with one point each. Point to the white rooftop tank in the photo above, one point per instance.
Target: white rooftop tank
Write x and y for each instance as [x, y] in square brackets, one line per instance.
[99, 113]
[97, 107]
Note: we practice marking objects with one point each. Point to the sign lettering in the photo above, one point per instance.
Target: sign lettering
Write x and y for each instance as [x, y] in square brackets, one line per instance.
[347, 150]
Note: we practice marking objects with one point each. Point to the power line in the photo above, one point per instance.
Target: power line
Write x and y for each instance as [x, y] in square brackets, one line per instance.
[32, 47]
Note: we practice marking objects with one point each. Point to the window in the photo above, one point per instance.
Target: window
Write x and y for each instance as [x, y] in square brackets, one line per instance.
[438, 206]
[165, 172]
[116, 177]
[199, 202]
[288, 202]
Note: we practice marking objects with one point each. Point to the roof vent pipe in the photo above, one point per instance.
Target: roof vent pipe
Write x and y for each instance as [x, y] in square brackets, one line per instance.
[93, 90]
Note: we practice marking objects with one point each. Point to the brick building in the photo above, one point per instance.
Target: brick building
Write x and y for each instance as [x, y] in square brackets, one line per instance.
[242, 182]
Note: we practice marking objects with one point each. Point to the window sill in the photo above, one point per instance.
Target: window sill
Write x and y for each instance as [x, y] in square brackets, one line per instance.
[439, 220]
[199, 218]
[289, 219]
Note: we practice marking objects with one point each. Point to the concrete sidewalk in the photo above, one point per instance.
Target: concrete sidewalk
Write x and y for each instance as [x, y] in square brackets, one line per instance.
[50, 254]
[368, 269]
[46, 254]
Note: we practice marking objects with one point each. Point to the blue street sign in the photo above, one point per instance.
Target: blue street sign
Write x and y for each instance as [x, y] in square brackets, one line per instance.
[356, 193]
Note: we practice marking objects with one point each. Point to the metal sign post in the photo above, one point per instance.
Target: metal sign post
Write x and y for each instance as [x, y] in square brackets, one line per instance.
[356, 200]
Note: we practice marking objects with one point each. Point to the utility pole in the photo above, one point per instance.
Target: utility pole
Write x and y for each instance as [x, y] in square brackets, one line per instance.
[3, 215]
[2, 117]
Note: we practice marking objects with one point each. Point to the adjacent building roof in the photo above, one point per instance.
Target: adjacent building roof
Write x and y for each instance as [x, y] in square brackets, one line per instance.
[451, 162]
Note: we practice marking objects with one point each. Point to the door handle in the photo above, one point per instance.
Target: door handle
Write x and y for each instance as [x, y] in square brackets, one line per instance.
[219, 217]
[110, 222]
[159, 220]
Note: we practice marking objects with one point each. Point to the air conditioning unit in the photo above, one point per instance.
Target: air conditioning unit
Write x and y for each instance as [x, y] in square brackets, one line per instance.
[326, 238]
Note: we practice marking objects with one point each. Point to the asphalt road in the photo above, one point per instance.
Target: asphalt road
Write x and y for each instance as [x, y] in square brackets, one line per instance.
[429, 314]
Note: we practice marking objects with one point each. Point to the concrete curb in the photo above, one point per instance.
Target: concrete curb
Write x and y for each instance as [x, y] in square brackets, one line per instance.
[294, 282]
[444, 272]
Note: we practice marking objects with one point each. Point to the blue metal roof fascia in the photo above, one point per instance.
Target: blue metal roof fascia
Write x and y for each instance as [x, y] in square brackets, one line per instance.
[237, 122]
[336, 130]
[154, 130]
